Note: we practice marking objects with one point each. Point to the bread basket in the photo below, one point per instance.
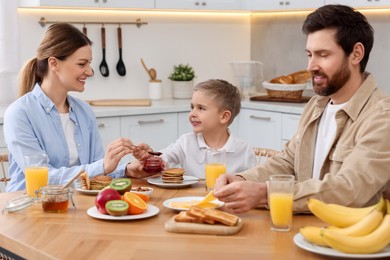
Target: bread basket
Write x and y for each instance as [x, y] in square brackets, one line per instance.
[287, 91]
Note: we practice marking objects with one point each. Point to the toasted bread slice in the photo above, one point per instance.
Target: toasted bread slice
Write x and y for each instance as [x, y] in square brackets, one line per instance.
[184, 217]
[200, 213]
[221, 217]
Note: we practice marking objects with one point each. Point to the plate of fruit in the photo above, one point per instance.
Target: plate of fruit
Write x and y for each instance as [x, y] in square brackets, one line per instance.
[111, 204]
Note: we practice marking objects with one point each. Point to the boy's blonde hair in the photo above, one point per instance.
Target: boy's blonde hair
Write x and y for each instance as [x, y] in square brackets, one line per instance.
[227, 96]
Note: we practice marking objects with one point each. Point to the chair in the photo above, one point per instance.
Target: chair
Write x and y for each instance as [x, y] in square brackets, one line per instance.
[3, 161]
[262, 154]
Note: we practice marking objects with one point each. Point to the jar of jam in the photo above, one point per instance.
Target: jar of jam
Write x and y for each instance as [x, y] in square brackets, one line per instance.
[55, 199]
[153, 164]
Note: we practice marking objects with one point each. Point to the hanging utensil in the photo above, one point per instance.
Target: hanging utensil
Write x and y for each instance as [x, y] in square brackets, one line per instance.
[103, 65]
[120, 66]
[85, 30]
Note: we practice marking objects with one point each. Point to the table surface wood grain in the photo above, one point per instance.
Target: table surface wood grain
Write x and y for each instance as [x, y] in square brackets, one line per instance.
[33, 234]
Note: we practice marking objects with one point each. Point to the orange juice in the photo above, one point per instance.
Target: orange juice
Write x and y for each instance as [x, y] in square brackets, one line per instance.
[36, 178]
[281, 207]
[213, 171]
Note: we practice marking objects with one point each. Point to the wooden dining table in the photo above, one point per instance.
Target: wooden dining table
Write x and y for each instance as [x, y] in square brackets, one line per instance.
[32, 234]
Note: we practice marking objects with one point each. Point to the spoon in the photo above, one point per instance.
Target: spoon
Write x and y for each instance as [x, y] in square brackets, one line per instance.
[72, 180]
[209, 197]
[150, 152]
[103, 65]
[151, 74]
[120, 66]
[85, 30]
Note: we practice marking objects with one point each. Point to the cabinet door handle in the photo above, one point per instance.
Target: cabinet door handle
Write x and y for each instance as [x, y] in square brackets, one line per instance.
[101, 125]
[196, 3]
[141, 122]
[204, 4]
[96, 1]
[265, 118]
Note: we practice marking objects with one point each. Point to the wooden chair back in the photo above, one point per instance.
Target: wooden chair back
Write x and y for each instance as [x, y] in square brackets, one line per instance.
[262, 154]
[4, 177]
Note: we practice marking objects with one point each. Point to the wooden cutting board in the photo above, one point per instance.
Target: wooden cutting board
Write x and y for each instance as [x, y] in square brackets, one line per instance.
[120, 102]
[290, 100]
[193, 228]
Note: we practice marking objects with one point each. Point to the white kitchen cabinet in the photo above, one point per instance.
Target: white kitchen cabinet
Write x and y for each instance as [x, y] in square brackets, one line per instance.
[157, 130]
[199, 4]
[360, 3]
[289, 126]
[109, 129]
[260, 128]
[266, 5]
[183, 124]
[3, 147]
[88, 3]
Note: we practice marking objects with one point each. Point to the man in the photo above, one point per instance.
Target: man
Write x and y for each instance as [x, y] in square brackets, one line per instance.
[340, 153]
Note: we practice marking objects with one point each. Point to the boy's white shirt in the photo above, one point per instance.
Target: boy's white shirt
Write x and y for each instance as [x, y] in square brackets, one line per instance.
[189, 149]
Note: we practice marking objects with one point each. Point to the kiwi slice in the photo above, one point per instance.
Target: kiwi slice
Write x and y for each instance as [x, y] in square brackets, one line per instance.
[117, 207]
[122, 185]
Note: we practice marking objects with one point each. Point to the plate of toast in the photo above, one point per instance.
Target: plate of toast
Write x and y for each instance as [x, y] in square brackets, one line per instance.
[185, 203]
[198, 220]
[187, 181]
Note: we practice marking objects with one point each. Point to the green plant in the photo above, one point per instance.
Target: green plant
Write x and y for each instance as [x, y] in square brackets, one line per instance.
[182, 72]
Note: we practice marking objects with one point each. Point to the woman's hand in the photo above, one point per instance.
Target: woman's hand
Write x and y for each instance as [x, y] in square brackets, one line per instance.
[115, 152]
[135, 170]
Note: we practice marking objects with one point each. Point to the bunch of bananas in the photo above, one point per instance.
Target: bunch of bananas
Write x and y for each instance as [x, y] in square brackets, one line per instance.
[351, 230]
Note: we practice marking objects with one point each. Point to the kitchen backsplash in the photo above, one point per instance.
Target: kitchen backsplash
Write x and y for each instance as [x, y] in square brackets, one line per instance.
[208, 42]
[278, 41]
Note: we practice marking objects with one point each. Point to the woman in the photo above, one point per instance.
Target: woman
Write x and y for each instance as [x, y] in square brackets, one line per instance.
[45, 119]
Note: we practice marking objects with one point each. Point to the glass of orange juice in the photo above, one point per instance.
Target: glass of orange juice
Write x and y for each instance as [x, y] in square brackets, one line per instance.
[215, 166]
[280, 200]
[36, 172]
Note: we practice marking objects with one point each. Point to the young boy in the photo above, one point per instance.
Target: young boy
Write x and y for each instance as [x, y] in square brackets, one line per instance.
[215, 104]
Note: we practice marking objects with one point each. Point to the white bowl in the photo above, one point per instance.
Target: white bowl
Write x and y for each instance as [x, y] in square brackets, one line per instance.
[142, 190]
[284, 87]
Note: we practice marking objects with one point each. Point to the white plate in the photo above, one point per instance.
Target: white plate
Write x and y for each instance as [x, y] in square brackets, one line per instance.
[187, 181]
[302, 243]
[88, 192]
[185, 199]
[151, 211]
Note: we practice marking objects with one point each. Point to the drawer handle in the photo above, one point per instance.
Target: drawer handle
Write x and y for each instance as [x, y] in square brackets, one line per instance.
[101, 125]
[260, 117]
[150, 122]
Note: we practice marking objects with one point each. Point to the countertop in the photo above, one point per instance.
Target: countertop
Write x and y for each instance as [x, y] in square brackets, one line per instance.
[183, 105]
[33, 234]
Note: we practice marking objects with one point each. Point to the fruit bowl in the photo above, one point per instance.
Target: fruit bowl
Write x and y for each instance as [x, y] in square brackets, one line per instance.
[142, 190]
[289, 91]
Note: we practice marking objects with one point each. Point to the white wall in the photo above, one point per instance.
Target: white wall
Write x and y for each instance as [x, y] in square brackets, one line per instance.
[208, 42]
[277, 40]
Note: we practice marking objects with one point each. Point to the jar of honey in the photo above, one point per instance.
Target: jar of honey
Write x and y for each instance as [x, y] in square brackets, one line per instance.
[55, 199]
[153, 164]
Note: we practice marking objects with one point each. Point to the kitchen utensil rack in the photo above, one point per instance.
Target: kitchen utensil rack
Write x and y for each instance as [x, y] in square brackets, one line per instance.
[138, 22]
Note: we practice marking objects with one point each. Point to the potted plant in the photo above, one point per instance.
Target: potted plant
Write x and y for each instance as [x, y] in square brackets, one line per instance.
[182, 77]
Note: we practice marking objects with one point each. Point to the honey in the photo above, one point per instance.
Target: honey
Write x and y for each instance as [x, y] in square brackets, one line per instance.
[55, 199]
[55, 206]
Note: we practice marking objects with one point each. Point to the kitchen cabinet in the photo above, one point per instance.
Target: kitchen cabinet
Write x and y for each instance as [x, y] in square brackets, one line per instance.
[265, 5]
[266, 129]
[199, 4]
[109, 129]
[360, 3]
[289, 126]
[3, 147]
[88, 3]
[260, 128]
[157, 130]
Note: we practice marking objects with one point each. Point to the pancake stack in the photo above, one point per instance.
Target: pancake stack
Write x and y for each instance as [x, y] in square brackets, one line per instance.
[173, 175]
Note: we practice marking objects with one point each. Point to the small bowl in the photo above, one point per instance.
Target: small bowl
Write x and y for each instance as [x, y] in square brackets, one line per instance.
[292, 91]
[142, 190]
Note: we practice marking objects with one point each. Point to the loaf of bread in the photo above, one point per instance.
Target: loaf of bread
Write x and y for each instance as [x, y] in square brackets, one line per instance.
[298, 77]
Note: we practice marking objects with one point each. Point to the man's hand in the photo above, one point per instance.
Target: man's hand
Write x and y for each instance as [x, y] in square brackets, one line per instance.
[240, 195]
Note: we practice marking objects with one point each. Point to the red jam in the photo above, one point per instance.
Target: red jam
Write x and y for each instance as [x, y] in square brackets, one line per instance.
[153, 164]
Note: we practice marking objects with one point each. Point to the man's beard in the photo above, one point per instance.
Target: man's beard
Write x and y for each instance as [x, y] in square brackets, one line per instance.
[335, 83]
